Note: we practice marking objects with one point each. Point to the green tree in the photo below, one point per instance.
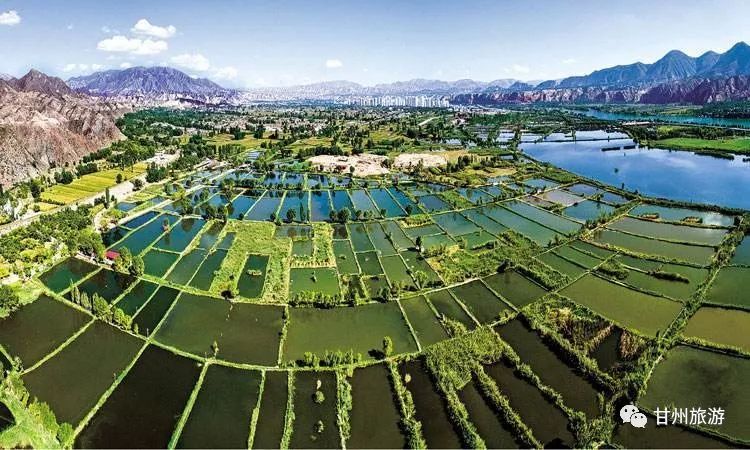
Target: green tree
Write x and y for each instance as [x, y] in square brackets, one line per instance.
[65, 434]
[10, 300]
[344, 215]
[90, 243]
[291, 214]
[420, 278]
[36, 189]
[259, 130]
[137, 266]
[101, 308]
[124, 260]
[85, 301]
[387, 346]
[209, 211]
[121, 319]
[107, 198]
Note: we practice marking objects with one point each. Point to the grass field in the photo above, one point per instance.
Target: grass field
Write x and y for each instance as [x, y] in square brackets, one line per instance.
[88, 185]
[45, 206]
[256, 238]
[453, 155]
[385, 136]
[311, 142]
[737, 145]
[247, 142]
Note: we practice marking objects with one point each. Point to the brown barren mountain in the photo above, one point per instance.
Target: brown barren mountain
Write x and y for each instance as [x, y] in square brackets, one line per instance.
[696, 91]
[44, 123]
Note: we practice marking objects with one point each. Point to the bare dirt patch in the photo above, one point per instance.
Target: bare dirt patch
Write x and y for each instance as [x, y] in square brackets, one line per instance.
[364, 165]
[407, 161]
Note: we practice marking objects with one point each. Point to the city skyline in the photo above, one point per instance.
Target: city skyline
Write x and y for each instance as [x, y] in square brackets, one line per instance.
[250, 45]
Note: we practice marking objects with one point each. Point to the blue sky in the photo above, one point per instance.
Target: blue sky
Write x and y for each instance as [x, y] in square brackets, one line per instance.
[272, 43]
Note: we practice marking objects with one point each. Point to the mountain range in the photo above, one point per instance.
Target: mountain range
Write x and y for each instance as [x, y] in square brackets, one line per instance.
[167, 83]
[675, 65]
[674, 77]
[419, 86]
[151, 83]
[43, 123]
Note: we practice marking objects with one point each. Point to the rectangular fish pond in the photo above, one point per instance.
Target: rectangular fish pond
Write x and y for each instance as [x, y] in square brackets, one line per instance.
[360, 329]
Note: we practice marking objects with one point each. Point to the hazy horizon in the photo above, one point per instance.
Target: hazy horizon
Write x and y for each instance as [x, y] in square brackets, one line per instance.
[251, 45]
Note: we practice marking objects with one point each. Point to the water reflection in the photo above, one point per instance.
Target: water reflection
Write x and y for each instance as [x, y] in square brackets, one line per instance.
[677, 175]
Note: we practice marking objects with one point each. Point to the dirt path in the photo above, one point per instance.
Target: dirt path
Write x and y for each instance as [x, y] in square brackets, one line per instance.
[426, 121]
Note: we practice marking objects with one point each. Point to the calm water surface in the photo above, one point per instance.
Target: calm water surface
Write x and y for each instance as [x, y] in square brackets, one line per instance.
[669, 118]
[677, 175]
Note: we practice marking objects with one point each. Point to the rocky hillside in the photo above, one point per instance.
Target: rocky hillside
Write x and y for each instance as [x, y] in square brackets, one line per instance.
[151, 83]
[696, 90]
[43, 122]
[700, 91]
[674, 78]
[675, 65]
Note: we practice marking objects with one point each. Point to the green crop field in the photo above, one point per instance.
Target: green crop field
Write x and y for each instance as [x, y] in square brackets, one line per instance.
[248, 142]
[89, 185]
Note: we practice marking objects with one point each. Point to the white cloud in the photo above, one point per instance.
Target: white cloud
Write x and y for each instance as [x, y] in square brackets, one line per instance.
[569, 61]
[125, 65]
[73, 67]
[145, 28]
[10, 18]
[196, 62]
[135, 46]
[333, 63]
[517, 68]
[191, 61]
[106, 30]
[149, 47]
[70, 26]
[226, 73]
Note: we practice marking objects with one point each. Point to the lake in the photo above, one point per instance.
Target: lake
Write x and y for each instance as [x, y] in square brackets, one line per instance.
[669, 118]
[677, 175]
